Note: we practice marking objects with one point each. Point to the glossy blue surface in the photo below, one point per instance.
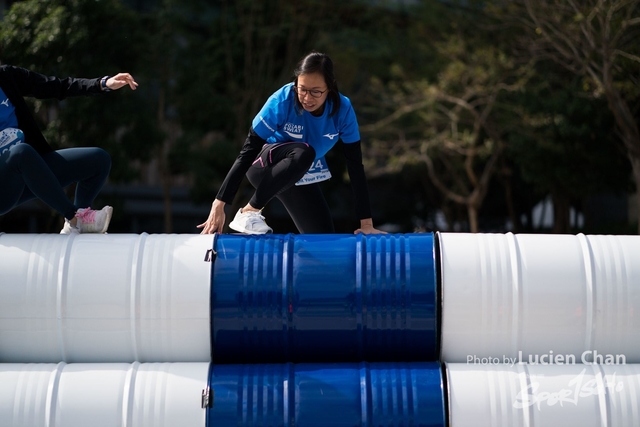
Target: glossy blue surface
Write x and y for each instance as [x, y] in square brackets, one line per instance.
[327, 395]
[324, 298]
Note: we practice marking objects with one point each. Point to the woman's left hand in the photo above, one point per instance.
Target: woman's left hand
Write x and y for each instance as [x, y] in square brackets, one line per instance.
[366, 227]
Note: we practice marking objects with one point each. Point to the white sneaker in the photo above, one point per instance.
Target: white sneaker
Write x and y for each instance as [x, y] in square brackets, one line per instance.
[67, 228]
[89, 221]
[250, 222]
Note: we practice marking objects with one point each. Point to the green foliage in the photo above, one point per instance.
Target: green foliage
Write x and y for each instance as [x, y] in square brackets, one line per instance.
[565, 143]
[66, 37]
[454, 122]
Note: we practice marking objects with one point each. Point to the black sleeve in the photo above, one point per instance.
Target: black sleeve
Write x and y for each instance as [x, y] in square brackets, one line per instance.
[353, 154]
[250, 150]
[40, 86]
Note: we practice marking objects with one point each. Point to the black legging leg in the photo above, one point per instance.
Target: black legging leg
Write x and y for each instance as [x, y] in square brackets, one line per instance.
[274, 174]
[25, 175]
[277, 168]
[308, 209]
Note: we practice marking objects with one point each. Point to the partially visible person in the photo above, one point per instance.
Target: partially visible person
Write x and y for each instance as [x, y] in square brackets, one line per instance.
[30, 168]
[283, 155]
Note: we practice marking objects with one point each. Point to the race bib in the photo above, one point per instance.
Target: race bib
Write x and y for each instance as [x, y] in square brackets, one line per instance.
[10, 137]
[318, 172]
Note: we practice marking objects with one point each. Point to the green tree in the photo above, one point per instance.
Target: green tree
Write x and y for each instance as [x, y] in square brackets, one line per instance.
[457, 127]
[596, 40]
[564, 145]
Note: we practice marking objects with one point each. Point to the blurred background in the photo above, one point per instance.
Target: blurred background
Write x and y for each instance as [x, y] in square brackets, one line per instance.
[480, 116]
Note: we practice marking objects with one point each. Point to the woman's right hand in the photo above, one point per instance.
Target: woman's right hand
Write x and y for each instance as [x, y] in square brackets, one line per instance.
[215, 222]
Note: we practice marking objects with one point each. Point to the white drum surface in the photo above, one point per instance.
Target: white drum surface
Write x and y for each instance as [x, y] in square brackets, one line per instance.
[102, 395]
[104, 298]
[580, 395]
[525, 296]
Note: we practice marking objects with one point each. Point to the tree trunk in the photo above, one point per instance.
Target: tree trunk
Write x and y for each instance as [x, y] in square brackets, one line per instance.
[163, 162]
[508, 195]
[168, 210]
[632, 142]
[449, 216]
[561, 213]
[635, 163]
[472, 212]
[629, 133]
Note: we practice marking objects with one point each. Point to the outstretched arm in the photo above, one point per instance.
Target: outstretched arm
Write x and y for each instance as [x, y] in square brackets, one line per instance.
[30, 83]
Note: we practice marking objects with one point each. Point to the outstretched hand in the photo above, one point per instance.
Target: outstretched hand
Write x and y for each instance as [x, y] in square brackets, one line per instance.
[120, 80]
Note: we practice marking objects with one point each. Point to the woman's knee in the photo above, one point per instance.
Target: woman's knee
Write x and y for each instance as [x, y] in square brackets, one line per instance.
[22, 149]
[96, 158]
[305, 153]
[18, 154]
[102, 158]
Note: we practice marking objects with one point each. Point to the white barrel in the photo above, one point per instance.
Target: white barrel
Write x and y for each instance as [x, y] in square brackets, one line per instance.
[104, 298]
[526, 296]
[522, 395]
[102, 395]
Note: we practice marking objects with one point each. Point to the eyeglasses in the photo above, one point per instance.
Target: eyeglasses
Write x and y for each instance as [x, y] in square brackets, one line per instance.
[313, 92]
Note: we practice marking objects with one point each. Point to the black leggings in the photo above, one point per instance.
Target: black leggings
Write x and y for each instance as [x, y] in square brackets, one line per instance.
[274, 174]
[25, 175]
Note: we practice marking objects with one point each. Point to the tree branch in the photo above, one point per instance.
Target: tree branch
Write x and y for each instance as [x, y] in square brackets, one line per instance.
[627, 22]
[572, 53]
[406, 109]
[617, 52]
[436, 181]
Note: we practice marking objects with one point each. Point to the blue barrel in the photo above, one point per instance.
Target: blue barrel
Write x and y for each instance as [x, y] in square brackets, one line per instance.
[321, 395]
[324, 298]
